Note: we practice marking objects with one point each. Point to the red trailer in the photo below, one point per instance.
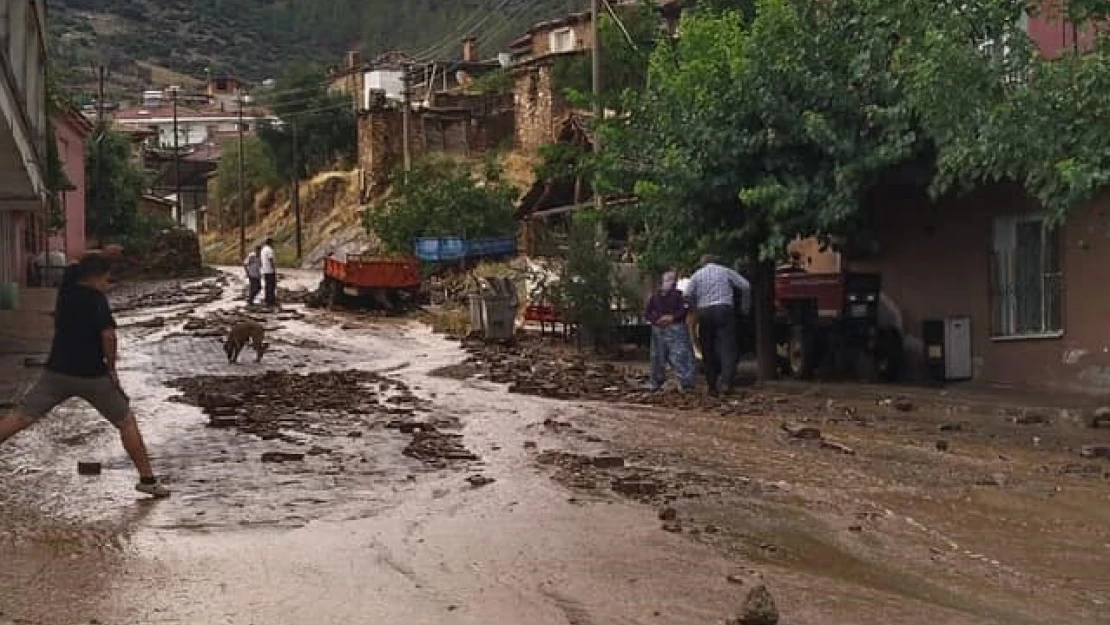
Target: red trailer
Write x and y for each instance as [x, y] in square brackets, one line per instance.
[390, 283]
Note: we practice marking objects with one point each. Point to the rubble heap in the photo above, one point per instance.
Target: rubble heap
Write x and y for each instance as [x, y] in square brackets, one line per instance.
[330, 403]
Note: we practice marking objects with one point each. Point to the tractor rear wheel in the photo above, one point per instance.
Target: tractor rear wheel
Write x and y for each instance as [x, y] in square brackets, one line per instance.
[801, 352]
[890, 354]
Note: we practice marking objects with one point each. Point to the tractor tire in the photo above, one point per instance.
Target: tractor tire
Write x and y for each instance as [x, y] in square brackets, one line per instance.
[890, 355]
[801, 353]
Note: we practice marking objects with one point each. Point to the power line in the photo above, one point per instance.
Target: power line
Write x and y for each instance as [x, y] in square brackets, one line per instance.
[472, 22]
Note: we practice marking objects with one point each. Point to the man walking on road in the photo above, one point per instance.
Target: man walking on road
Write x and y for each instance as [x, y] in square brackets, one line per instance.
[670, 338]
[82, 363]
[253, 267]
[269, 273]
[711, 292]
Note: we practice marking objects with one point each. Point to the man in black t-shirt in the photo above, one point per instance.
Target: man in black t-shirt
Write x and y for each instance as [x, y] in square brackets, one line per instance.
[82, 363]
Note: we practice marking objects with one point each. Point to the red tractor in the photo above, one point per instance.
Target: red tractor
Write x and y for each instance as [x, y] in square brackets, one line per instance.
[827, 320]
[832, 320]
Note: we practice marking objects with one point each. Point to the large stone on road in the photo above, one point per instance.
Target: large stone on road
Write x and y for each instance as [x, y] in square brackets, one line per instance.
[759, 608]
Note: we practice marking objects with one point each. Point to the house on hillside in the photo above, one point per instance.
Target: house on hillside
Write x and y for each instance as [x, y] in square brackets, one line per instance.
[538, 102]
[445, 117]
[71, 132]
[540, 105]
[23, 136]
[1032, 293]
[200, 133]
[194, 126]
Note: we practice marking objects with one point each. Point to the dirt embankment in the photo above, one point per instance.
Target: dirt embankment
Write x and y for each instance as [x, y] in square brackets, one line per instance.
[331, 217]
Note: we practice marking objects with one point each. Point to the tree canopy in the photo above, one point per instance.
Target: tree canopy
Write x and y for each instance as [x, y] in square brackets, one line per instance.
[757, 127]
[115, 186]
[441, 198]
[259, 172]
[327, 134]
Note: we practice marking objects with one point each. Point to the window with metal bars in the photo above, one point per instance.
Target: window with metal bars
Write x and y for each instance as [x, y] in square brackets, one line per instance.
[1027, 282]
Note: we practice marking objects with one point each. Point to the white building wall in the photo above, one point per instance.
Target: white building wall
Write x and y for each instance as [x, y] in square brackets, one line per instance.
[388, 81]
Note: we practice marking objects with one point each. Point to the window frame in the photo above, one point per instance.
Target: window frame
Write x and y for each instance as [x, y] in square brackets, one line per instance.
[1000, 283]
[555, 35]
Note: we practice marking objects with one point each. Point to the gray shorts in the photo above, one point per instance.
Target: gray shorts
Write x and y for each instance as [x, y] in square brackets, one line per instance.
[54, 388]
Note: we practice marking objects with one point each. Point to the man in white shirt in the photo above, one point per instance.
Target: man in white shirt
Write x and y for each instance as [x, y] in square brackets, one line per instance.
[711, 291]
[269, 273]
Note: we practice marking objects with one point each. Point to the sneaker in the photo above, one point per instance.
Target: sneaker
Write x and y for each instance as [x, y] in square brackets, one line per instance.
[157, 490]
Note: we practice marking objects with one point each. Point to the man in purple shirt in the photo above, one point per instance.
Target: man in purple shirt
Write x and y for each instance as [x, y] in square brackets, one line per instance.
[670, 339]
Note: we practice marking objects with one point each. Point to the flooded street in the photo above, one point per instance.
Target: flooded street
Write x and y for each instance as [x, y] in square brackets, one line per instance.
[354, 480]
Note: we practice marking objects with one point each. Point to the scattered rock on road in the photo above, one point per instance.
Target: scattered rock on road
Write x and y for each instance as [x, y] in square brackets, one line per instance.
[837, 447]
[1101, 417]
[758, 609]
[88, 468]
[903, 404]
[1095, 451]
[477, 481]
[281, 456]
[804, 432]
[431, 446]
[608, 462]
[668, 514]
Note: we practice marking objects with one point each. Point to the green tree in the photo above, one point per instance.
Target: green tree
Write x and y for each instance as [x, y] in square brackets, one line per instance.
[327, 133]
[751, 135]
[586, 285]
[624, 57]
[114, 187]
[442, 198]
[998, 111]
[259, 172]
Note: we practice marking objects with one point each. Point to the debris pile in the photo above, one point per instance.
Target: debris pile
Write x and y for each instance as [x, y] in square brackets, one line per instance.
[277, 404]
[136, 296]
[530, 368]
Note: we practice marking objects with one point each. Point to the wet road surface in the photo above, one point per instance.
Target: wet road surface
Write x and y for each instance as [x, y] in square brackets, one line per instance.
[363, 533]
[393, 541]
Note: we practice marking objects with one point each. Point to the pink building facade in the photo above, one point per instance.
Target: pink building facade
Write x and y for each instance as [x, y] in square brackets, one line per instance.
[71, 131]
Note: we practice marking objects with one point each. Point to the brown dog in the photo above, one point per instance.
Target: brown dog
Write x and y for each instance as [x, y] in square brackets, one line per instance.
[241, 333]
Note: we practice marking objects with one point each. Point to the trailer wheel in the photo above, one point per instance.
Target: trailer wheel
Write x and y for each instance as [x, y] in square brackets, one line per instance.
[335, 292]
[801, 352]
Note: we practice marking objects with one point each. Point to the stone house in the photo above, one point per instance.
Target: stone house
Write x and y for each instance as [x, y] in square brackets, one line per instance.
[453, 124]
[538, 102]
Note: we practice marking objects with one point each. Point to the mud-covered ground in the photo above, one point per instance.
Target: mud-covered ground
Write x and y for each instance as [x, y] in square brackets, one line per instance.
[370, 471]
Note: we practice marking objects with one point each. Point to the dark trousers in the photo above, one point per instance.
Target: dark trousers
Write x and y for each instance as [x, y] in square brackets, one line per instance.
[717, 337]
[271, 288]
[254, 289]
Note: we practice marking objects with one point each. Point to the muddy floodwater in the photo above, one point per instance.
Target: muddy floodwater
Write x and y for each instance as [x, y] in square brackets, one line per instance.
[370, 471]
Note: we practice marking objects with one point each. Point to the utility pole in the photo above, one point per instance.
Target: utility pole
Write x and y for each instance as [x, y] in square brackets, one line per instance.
[239, 177]
[99, 211]
[595, 61]
[406, 105]
[296, 190]
[177, 161]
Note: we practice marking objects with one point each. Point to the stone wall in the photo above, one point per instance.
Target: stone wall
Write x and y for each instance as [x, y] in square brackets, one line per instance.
[381, 142]
[537, 106]
[456, 132]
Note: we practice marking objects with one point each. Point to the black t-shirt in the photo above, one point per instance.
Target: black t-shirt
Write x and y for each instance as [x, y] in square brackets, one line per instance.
[80, 315]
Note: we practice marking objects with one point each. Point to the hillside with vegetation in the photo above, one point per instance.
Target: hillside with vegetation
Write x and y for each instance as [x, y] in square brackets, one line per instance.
[143, 40]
